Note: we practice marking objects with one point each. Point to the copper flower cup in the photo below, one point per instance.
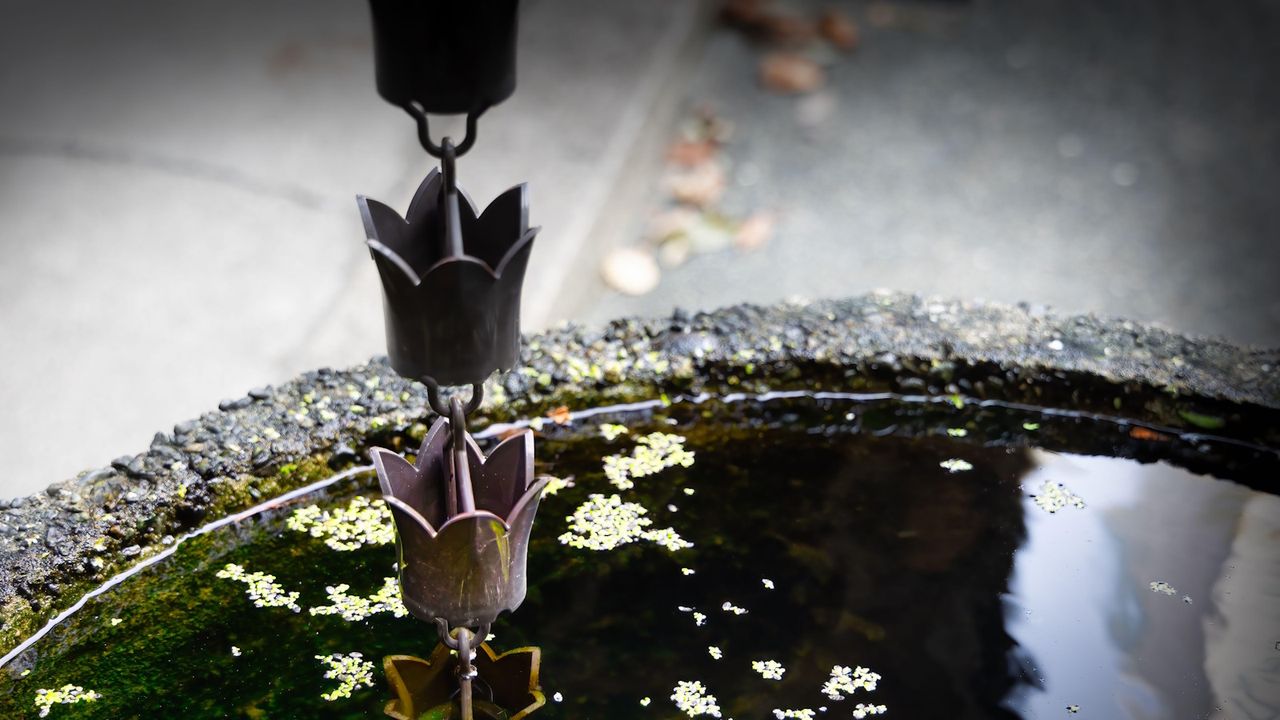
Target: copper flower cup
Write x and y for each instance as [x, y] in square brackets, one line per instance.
[466, 566]
[451, 303]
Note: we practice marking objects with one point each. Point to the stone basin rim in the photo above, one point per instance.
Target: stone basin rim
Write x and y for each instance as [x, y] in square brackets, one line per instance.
[67, 539]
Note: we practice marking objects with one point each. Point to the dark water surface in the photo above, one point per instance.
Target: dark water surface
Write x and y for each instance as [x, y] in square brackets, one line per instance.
[955, 585]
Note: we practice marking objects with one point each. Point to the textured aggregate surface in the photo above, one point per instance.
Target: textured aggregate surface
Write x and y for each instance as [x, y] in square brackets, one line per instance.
[58, 543]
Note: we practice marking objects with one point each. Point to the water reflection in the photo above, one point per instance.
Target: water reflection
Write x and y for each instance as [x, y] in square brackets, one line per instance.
[1102, 639]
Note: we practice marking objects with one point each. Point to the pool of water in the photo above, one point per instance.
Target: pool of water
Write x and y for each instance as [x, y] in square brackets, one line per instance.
[974, 573]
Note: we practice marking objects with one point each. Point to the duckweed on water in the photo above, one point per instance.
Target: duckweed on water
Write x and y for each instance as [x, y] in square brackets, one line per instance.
[863, 710]
[66, 695]
[611, 432]
[261, 588]
[606, 523]
[555, 485]
[362, 522]
[653, 453]
[846, 681]
[768, 669]
[692, 699]
[1054, 496]
[351, 671]
[353, 608]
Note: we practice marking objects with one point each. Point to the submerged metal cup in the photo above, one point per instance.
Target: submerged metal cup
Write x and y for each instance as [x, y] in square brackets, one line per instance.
[451, 280]
[423, 686]
[465, 566]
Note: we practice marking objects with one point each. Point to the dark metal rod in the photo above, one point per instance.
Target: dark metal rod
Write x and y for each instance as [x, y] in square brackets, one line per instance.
[461, 468]
[466, 672]
[452, 217]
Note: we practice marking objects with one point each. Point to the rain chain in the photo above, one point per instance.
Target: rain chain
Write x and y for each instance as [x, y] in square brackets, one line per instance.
[451, 281]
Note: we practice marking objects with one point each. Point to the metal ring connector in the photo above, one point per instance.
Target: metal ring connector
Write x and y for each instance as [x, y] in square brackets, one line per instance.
[447, 634]
[417, 112]
[441, 408]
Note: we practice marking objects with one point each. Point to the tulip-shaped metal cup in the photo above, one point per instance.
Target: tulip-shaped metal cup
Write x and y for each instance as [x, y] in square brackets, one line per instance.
[451, 280]
[462, 534]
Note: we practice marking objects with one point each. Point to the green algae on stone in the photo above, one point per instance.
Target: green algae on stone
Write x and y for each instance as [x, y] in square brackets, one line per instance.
[1203, 421]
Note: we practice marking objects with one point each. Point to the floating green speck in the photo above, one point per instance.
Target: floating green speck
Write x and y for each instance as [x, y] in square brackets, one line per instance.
[1200, 420]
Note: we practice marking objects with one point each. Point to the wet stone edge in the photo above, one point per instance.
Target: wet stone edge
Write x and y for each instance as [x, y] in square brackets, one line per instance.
[57, 544]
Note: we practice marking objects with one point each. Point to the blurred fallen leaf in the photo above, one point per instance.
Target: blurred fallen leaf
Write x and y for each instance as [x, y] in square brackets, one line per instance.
[689, 153]
[756, 231]
[757, 20]
[699, 186]
[630, 271]
[790, 73]
[742, 13]
[882, 14]
[561, 415]
[671, 222]
[814, 110]
[839, 29]
[783, 29]
[1141, 433]
[915, 17]
[714, 128]
[674, 252]
[711, 233]
[512, 431]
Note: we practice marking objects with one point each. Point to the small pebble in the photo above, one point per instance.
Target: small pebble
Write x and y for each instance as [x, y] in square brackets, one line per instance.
[631, 271]
[790, 73]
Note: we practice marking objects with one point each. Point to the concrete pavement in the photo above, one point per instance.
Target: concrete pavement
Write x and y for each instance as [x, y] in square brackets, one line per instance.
[1095, 156]
[178, 184]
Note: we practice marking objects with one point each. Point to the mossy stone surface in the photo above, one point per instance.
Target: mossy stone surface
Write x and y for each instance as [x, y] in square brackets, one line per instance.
[59, 543]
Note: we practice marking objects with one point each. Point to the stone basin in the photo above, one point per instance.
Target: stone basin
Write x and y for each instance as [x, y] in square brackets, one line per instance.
[1171, 391]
